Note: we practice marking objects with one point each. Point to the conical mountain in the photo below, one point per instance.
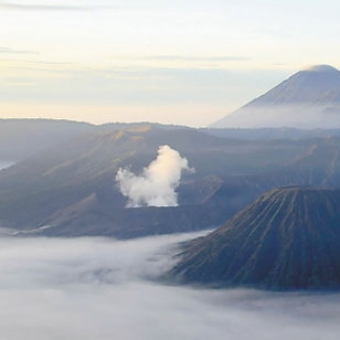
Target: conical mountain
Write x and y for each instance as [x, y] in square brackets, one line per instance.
[308, 99]
[288, 239]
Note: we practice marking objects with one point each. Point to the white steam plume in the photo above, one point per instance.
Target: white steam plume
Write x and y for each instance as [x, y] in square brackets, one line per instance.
[157, 184]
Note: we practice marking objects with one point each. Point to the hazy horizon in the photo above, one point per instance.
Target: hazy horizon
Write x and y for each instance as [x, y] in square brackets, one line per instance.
[184, 63]
[187, 63]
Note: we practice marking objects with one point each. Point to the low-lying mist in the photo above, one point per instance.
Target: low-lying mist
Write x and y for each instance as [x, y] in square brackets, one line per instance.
[97, 288]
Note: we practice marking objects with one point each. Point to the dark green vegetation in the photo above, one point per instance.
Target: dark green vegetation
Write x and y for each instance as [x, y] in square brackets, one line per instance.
[287, 239]
[71, 187]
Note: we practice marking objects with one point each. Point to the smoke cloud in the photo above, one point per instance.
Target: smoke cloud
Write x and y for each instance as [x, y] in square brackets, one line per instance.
[157, 184]
[5, 164]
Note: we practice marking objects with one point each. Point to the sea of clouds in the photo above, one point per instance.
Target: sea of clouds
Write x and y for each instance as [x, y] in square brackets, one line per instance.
[99, 288]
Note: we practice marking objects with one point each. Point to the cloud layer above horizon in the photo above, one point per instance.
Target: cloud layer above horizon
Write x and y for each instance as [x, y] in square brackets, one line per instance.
[181, 62]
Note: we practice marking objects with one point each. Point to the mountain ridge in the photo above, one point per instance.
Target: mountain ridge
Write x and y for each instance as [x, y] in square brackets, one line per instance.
[309, 98]
[73, 185]
[288, 239]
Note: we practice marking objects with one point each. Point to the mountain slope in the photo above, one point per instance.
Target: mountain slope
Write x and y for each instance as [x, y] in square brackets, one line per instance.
[308, 99]
[287, 239]
[36, 189]
[21, 138]
[72, 188]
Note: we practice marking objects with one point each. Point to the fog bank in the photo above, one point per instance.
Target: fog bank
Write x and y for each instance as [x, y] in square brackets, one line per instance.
[97, 288]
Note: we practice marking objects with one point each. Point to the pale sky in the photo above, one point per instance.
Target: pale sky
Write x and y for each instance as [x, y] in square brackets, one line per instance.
[180, 62]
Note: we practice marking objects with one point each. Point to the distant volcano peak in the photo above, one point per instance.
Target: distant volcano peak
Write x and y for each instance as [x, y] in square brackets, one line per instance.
[321, 68]
[309, 99]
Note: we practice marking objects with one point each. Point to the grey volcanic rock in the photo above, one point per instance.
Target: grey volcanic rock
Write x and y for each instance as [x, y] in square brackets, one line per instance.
[71, 190]
[55, 187]
[288, 239]
[308, 99]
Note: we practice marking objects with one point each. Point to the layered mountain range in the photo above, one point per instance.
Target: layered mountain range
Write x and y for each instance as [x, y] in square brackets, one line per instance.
[71, 189]
[66, 181]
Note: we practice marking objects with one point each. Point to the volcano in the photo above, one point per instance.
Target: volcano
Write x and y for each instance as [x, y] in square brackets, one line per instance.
[308, 99]
[289, 239]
